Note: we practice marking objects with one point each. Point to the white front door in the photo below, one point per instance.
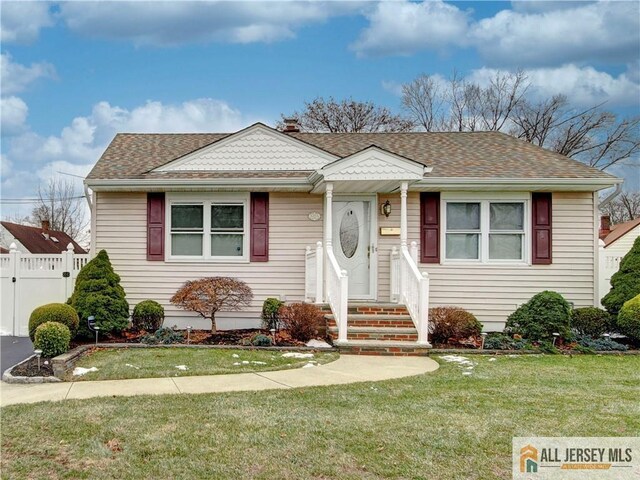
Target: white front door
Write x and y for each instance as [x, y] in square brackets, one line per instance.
[353, 246]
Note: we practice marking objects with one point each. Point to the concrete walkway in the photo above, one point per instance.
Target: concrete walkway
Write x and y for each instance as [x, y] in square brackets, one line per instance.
[347, 369]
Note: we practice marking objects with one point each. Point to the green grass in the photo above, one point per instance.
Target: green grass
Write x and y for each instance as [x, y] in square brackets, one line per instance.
[120, 363]
[441, 425]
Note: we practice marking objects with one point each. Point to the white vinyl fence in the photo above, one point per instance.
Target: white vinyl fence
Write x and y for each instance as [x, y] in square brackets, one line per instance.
[29, 280]
[609, 264]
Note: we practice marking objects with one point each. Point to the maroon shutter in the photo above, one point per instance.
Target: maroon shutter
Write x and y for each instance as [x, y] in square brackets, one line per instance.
[259, 227]
[541, 223]
[430, 227]
[155, 226]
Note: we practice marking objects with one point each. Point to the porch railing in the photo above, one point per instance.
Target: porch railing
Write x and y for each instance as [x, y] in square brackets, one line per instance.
[410, 287]
[337, 284]
[313, 284]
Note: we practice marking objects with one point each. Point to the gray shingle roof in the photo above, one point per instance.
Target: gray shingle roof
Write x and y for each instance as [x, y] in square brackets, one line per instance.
[451, 154]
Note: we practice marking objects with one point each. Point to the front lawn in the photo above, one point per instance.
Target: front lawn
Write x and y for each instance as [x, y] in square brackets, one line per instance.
[442, 425]
[119, 363]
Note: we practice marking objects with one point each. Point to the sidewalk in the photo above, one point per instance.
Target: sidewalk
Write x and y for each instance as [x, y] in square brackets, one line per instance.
[347, 369]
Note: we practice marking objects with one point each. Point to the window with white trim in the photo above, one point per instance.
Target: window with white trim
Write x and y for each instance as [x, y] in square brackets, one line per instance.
[213, 229]
[485, 231]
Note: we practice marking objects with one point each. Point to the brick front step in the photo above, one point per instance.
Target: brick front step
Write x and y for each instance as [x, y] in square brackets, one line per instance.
[366, 320]
[373, 347]
[372, 309]
[390, 334]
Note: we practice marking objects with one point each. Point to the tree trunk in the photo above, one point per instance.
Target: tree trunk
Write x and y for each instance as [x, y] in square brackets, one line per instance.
[213, 324]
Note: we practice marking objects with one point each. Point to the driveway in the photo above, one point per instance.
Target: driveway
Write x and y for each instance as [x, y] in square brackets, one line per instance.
[14, 350]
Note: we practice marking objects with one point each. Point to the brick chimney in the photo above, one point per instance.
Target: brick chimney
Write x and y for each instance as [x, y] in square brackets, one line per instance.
[46, 225]
[291, 125]
[605, 226]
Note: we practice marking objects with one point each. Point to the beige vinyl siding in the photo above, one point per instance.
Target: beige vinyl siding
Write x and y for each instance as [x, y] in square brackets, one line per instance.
[492, 292]
[121, 229]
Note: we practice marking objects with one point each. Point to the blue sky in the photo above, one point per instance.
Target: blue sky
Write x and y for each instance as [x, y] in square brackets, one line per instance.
[74, 74]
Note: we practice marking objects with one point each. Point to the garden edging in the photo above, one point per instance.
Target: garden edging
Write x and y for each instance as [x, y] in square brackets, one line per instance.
[8, 378]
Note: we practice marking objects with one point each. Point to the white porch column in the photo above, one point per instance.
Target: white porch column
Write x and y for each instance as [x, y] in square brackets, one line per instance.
[328, 220]
[403, 214]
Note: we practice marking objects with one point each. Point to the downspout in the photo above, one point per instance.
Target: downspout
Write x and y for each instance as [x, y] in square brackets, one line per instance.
[87, 195]
[604, 203]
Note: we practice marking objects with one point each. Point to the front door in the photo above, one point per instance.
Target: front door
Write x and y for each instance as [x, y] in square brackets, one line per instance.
[353, 246]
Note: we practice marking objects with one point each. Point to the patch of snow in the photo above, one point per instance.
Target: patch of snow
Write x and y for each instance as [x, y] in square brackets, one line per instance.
[297, 355]
[493, 359]
[463, 362]
[308, 365]
[46, 362]
[467, 373]
[245, 362]
[237, 363]
[235, 355]
[78, 371]
[259, 363]
[318, 344]
[132, 366]
[182, 367]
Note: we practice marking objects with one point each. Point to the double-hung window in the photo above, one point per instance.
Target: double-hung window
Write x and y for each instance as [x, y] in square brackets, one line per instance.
[212, 227]
[485, 231]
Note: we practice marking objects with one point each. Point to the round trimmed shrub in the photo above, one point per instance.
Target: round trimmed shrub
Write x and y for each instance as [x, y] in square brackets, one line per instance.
[537, 320]
[53, 312]
[52, 338]
[148, 315]
[591, 321]
[629, 318]
[452, 323]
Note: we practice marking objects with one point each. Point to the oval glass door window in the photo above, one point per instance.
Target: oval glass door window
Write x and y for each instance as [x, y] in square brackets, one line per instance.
[349, 233]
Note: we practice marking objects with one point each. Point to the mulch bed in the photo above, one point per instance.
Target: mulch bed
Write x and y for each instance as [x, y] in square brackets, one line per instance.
[29, 368]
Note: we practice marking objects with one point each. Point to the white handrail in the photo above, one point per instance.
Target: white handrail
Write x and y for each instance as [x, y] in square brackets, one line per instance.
[394, 272]
[313, 285]
[337, 293]
[414, 292]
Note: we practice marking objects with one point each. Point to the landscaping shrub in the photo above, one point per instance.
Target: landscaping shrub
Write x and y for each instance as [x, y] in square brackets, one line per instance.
[162, 336]
[452, 322]
[148, 315]
[53, 312]
[98, 292]
[499, 341]
[629, 318]
[598, 344]
[207, 296]
[270, 309]
[52, 338]
[547, 312]
[591, 321]
[260, 340]
[625, 283]
[301, 320]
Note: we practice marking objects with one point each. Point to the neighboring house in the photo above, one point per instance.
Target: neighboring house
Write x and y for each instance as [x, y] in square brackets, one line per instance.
[496, 220]
[615, 243]
[36, 239]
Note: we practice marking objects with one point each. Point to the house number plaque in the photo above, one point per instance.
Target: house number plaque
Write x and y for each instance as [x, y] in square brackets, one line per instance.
[314, 216]
[389, 231]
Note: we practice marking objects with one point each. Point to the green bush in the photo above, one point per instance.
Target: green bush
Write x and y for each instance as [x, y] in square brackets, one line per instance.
[147, 315]
[162, 336]
[625, 283]
[301, 320]
[546, 313]
[260, 340]
[591, 321]
[52, 338]
[269, 316]
[499, 341]
[452, 322]
[599, 344]
[53, 312]
[98, 292]
[629, 318]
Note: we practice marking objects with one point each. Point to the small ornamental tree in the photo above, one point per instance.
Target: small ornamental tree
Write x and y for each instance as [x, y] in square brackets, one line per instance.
[207, 296]
[625, 283]
[98, 293]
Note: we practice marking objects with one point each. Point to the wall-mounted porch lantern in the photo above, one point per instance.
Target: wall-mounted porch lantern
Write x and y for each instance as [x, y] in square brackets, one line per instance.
[385, 209]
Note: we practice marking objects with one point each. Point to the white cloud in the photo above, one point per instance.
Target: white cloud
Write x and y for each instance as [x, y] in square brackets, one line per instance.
[403, 28]
[13, 115]
[583, 86]
[22, 20]
[17, 77]
[536, 6]
[175, 23]
[606, 31]
[31, 158]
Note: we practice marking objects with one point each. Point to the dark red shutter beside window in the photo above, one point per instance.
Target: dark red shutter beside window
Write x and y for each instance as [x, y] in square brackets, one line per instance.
[155, 226]
[259, 227]
[541, 224]
[430, 227]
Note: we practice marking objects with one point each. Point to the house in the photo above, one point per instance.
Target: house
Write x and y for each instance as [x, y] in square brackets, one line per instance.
[36, 239]
[479, 220]
[615, 243]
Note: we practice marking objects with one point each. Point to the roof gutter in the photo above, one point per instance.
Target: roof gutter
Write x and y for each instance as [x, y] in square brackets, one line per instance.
[605, 203]
[586, 184]
[292, 184]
